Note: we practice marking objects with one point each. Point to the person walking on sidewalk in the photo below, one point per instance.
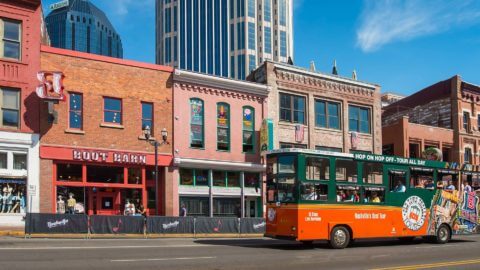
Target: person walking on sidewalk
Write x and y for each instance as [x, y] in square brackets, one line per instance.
[183, 211]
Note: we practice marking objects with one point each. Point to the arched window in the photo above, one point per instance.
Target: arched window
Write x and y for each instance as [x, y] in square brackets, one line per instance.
[248, 129]
[223, 126]
[196, 123]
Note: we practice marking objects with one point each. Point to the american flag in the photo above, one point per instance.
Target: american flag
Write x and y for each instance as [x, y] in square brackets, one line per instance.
[354, 140]
[299, 133]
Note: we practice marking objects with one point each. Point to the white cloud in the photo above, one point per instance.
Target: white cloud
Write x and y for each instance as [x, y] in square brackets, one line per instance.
[387, 21]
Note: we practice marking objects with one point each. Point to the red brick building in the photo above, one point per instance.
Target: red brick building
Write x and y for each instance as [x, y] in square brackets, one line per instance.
[93, 144]
[20, 38]
[444, 115]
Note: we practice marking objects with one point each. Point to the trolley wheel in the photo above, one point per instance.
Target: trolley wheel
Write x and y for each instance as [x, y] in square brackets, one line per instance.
[443, 234]
[339, 237]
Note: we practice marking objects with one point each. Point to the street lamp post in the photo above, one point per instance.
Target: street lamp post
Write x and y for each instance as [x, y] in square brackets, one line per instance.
[148, 136]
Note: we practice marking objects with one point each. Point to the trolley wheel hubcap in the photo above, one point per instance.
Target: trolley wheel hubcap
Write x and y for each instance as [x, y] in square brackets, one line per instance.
[340, 237]
[443, 234]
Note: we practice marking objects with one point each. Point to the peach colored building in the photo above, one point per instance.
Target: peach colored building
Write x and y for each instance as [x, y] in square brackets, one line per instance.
[217, 164]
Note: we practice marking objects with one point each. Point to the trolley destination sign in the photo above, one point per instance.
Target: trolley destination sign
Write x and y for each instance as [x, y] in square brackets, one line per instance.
[400, 160]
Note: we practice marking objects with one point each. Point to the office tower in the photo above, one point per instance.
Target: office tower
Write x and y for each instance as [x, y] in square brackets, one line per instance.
[226, 38]
[79, 25]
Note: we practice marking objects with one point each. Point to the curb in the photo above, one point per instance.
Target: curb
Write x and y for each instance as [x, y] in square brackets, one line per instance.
[12, 233]
[127, 236]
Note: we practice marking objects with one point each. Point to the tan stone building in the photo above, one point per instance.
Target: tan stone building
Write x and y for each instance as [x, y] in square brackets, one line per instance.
[320, 111]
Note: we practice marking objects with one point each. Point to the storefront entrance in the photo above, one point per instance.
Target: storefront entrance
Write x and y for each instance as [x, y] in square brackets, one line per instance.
[104, 202]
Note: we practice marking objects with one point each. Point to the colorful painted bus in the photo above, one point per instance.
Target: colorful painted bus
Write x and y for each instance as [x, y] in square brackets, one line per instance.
[317, 195]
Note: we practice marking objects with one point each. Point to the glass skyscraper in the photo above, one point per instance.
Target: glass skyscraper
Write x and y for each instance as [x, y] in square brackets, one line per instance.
[226, 38]
[80, 26]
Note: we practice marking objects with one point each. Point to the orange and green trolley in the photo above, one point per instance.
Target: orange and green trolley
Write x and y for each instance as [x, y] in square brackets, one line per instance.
[318, 195]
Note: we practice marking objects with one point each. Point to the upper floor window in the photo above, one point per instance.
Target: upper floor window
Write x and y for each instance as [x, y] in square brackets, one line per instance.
[359, 119]
[466, 121]
[10, 39]
[292, 108]
[248, 129]
[112, 110]
[327, 114]
[10, 105]
[223, 126]
[467, 158]
[196, 123]
[75, 111]
[147, 116]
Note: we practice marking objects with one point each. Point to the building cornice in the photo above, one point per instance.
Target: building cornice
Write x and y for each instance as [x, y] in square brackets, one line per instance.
[322, 76]
[188, 77]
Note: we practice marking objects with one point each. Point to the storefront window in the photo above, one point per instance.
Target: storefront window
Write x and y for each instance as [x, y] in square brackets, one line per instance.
[252, 180]
[233, 179]
[186, 177]
[201, 177]
[13, 196]
[70, 200]
[69, 172]
[228, 207]
[219, 179]
[105, 174]
[135, 176]
[150, 173]
[19, 161]
[3, 160]
[196, 206]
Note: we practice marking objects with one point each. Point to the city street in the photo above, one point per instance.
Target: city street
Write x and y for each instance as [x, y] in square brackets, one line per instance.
[461, 253]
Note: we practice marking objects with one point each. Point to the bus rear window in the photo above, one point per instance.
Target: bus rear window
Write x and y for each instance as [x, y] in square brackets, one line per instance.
[317, 168]
[346, 170]
[286, 164]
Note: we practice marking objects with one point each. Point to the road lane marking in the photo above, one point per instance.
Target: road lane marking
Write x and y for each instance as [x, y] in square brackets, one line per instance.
[163, 259]
[102, 247]
[431, 265]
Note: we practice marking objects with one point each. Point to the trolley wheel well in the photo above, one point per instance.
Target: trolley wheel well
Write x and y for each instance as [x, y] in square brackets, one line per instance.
[344, 225]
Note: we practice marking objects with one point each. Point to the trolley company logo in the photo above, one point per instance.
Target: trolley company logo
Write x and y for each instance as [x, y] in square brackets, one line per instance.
[414, 212]
[271, 214]
[57, 223]
[258, 226]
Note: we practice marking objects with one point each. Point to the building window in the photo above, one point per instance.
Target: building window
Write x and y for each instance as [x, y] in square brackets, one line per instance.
[292, 145]
[76, 111]
[251, 36]
[11, 39]
[112, 110]
[359, 119]
[268, 39]
[467, 155]
[226, 207]
[292, 108]
[196, 123]
[196, 206]
[248, 129]
[10, 107]
[147, 116]
[191, 177]
[282, 10]
[233, 179]
[69, 172]
[19, 161]
[466, 121]
[223, 126]
[252, 180]
[283, 43]
[327, 114]
[3, 160]
[388, 149]
[267, 10]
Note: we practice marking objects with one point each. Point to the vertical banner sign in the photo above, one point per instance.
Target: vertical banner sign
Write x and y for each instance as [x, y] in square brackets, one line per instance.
[196, 120]
[266, 136]
[354, 140]
[299, 132]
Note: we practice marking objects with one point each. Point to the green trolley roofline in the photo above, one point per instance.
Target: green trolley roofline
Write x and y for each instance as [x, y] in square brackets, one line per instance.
[371, 158]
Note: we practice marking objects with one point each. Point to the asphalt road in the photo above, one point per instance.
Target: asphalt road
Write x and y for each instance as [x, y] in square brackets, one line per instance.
[134, 254]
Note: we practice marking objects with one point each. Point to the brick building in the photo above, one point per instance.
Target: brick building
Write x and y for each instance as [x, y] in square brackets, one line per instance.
[93, 145]
[321, 111]
[20, 38]
[444, 115]
[217, 161]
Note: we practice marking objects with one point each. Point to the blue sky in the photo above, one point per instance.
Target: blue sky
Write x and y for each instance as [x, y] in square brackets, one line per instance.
[402, 45]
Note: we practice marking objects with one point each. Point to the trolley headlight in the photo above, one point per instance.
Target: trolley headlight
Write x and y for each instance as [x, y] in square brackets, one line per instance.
[294, 228]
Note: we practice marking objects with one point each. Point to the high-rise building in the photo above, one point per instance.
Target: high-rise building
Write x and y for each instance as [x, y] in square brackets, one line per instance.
[80, 26]
[226, 38]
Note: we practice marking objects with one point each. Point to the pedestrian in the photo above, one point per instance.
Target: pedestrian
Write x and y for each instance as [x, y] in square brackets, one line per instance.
[183, 211]
[466, 186]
